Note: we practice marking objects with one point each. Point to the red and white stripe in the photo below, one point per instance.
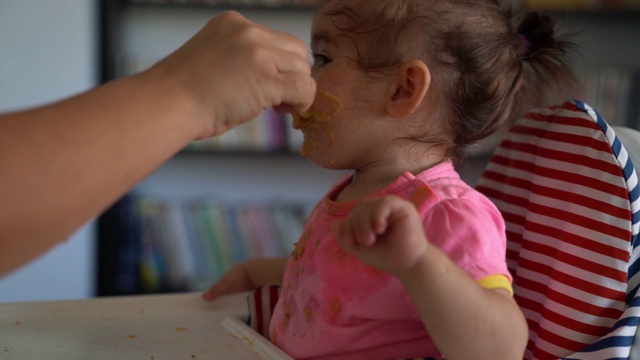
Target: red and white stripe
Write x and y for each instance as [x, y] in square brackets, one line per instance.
[262, 301]
[566, 206]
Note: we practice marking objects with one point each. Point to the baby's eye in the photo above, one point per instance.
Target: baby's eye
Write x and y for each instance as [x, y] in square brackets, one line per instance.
[320, 60]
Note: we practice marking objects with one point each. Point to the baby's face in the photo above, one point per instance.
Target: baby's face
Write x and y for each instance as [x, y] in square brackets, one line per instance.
[342, 127]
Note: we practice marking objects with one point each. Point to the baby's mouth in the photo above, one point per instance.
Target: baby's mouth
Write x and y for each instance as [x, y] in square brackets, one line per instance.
[314, 116]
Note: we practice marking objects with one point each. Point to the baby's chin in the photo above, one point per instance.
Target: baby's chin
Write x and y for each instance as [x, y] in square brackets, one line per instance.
[330, 164]
[319, 158]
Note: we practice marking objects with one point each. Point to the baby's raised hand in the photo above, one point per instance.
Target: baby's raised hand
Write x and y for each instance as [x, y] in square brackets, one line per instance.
[384, 232]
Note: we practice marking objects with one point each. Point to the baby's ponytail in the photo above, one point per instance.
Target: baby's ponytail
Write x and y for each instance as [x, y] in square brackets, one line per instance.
[546, 58]
[506, 74]
[537, 31]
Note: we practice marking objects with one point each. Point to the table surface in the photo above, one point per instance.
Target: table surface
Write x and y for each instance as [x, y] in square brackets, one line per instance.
[178, 326]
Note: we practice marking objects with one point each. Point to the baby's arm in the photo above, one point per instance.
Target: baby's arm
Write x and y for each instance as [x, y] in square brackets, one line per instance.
[465, 320]
[248, 275]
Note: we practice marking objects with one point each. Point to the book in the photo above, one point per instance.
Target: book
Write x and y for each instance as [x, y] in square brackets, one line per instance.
[178, 245]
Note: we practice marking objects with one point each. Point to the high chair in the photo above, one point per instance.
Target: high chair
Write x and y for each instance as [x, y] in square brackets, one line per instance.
[568, 191]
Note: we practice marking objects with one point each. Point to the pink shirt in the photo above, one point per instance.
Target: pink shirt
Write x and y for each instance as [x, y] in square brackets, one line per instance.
[333, 306]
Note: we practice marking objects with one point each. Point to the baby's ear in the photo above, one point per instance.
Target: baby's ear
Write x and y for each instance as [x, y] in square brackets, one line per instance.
[408, 89]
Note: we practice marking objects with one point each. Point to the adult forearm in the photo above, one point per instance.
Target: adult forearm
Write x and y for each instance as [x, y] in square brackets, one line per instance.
[63, 163]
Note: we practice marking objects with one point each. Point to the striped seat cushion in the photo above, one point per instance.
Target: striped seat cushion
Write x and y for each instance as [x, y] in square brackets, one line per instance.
[568, 193]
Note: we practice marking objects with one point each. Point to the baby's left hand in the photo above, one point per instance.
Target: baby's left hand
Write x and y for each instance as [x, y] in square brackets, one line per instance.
[384, 232]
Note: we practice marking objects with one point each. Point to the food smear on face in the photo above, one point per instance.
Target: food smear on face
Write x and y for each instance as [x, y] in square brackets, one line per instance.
[316, 119]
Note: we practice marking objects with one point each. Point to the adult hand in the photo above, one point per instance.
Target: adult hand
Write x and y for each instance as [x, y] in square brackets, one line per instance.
[233, 69]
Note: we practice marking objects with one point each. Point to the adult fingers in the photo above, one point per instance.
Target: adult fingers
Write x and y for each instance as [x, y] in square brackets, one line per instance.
[289, 62]
[289, 43]
[298, 92]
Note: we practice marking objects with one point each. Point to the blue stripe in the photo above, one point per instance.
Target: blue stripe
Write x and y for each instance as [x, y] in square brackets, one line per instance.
[628, 168]
[634, 216]
[635, 302]
[599, 120]
[634, 193]
[609, 342]
[634, 267]
[616, 146]
[630, 300]
[628, 321]
[629, 173]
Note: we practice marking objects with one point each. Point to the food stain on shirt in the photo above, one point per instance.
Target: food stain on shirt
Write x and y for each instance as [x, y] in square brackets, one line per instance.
[286, 315]
[299, 247]
[420, 195]
[308, 314]
[273, 337]
[298, 251]
[336, 307]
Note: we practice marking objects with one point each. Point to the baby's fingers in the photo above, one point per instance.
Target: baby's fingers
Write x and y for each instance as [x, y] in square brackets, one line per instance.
[342, 233]
[215, 291]
[360, 228]
[365, 228]
[234, 281]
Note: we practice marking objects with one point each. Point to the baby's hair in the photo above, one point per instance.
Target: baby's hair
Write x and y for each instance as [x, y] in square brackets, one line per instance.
[485, 71]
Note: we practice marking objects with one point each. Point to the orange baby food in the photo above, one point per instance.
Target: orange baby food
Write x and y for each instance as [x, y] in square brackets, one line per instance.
[315, 118]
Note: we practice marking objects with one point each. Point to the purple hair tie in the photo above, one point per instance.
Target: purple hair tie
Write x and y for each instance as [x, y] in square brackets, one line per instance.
[525, 41]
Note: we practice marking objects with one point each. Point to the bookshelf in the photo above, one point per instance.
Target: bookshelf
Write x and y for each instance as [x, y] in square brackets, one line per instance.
[185, 244]
[167, 235]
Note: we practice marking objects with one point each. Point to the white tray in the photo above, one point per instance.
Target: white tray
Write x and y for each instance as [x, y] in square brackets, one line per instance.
[154, 327]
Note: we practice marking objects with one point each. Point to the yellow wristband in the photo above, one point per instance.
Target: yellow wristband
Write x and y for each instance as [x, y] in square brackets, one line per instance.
[496, 282]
